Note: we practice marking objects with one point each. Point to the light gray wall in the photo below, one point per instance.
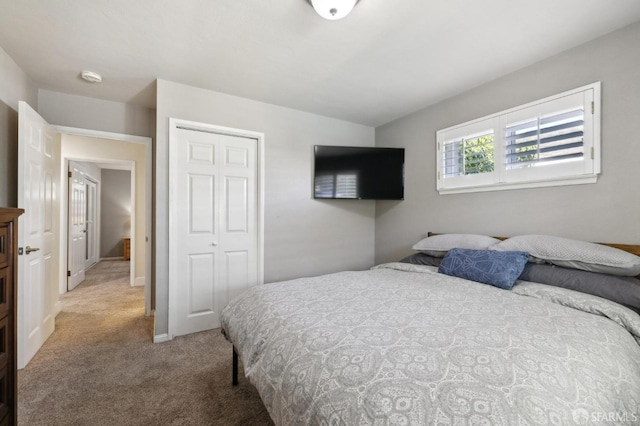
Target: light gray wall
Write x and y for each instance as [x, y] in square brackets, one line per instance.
[8, 156]
[115, 211]
[302, 236]
[96, 114]
[607, 211]
[15, 86]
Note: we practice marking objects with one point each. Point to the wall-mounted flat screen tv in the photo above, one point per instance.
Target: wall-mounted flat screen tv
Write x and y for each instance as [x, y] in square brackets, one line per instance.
[359, 173]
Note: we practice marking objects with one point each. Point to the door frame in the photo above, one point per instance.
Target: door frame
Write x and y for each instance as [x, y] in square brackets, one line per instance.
[148, 142]
[176, 124]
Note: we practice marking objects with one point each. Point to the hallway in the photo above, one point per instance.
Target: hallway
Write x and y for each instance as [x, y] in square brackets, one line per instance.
[100, 366]
[101, 319]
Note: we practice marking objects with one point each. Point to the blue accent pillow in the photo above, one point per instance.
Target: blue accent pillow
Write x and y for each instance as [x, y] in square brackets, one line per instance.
[497, 268]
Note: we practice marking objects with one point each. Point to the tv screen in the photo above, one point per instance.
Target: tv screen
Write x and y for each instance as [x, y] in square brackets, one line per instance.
[344, 172]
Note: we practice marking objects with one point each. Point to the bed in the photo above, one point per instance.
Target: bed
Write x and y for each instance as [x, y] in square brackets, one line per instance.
[405, 344]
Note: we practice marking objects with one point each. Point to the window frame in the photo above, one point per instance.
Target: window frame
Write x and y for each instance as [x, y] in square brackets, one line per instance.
[584, 171]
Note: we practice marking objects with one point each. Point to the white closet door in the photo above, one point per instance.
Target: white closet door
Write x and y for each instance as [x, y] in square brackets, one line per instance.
[238, 218]
[213, 234]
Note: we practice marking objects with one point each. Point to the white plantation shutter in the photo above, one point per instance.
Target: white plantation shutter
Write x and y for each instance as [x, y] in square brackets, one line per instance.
[554, 141]
[549, 140]
[545, 140]
[468, 155]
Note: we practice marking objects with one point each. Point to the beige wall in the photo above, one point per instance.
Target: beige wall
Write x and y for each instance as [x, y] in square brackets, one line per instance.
[96, 149]
[302, 236]
[607, 211]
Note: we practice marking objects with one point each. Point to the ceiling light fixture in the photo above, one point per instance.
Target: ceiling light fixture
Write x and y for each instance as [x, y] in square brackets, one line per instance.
[91, 77]
[333, 9]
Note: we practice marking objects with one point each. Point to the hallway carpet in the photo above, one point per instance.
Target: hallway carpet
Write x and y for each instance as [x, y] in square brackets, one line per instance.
[100, 366]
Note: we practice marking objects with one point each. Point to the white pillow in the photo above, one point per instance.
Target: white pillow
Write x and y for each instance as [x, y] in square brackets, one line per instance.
[439, 245]
[574, 254]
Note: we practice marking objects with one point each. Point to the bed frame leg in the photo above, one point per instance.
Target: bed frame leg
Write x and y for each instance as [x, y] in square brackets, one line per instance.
[234, 371]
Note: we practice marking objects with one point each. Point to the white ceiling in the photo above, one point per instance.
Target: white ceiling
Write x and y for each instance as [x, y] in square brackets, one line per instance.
[385, 60]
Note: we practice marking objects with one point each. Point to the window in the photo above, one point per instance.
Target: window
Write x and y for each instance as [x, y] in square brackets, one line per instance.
[469, 155]
[550, 142]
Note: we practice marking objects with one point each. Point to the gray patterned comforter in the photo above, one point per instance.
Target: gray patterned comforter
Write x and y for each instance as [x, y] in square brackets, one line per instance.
[402, 344]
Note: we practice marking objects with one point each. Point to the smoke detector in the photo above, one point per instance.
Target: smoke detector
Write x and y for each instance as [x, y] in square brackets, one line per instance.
[91, 77]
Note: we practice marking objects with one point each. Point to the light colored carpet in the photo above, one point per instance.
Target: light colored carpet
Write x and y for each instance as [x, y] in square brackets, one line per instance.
[100, 366]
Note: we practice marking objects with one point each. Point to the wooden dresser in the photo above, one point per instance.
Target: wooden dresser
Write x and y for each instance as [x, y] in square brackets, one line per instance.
[8, 293]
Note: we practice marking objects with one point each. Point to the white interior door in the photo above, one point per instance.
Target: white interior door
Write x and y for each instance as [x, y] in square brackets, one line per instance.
[91, 235]
[77, 242]
[38, 187]
[213, 235]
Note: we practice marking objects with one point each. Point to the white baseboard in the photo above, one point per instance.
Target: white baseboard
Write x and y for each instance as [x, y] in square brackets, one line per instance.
[160, 338]
[139, 281]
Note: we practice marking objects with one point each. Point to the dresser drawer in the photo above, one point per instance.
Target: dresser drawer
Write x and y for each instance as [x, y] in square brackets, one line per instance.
[5, 245]
[5, 288]
[4, 342]
[5, 398]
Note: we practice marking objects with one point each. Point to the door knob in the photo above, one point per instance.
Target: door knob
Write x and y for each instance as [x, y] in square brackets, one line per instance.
[29, 249]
